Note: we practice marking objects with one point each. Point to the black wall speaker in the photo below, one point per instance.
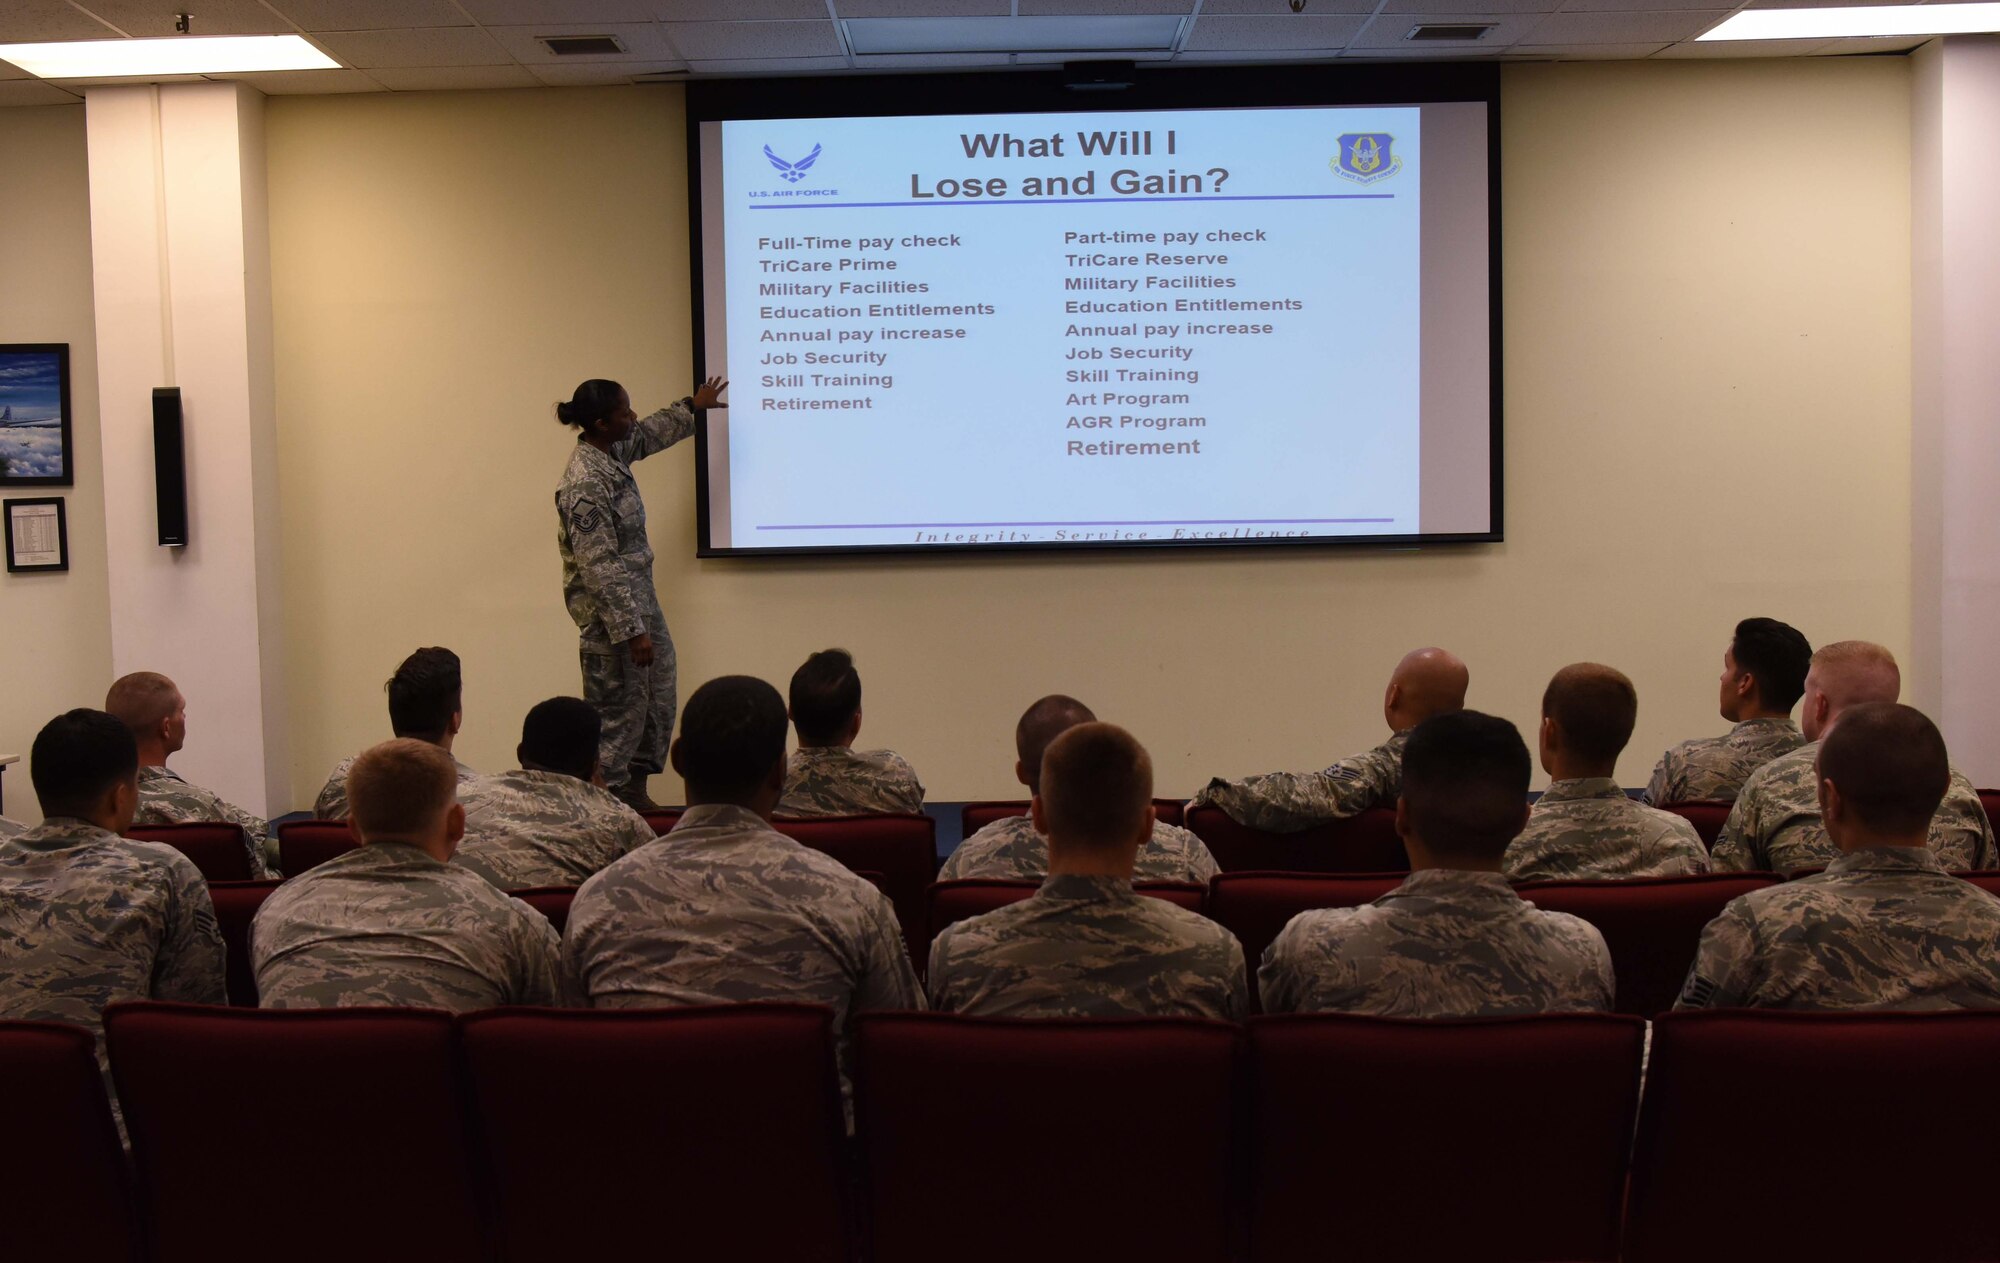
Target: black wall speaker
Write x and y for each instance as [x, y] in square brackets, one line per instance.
[170, 466]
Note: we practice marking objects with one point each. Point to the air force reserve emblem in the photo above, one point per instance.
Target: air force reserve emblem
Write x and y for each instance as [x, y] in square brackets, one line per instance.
[792, 172]
[1364, 157]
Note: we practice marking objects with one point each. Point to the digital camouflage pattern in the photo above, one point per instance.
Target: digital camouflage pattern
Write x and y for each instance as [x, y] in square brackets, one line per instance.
[607, 564]
[837, 781]
[1881, 928]
[1713, 769]
[527, 828]
[164, 798]
[1089, 947]
[11, 828]
[332, 801]
[726, 910]
[389, 925]
[1286, 802]
[1588, 828]
[1010, 849]
[88, 918]
[1446, 943]
[1775, 823]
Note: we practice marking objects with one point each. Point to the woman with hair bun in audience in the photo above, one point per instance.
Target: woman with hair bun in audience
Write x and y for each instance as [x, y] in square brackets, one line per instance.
[628, 658]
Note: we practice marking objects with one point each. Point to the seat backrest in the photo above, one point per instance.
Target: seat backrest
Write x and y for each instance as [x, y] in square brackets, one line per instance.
[1363, 1130]
[903, 849]
[218, 848]
[1367, 843]
[976, 816]
[949, 902]
[551, 901]
[1256, 906]
[304, 844]
[664, 820]
[1990, 800]
[708, 1133]
[68, 1193]
[955, 1112]
[1707, 817]
[1987, 880]
[247, 1124]
[1855, 1135]
[236, 904]
[1652, 925]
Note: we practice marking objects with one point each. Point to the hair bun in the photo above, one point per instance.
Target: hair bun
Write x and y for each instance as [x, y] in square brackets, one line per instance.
[563, 410]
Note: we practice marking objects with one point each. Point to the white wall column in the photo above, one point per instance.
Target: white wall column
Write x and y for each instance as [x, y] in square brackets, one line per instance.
[180, 251]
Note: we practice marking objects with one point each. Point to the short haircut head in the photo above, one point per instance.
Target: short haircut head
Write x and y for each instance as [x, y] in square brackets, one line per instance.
[826, 692]
[561, 734]
[1595, 706]
[1465, 784]
[141, 700]
[1777, 656]
[400, 789]
[1889, 763]
[1097, 782]
[1041, 724]
[424, 694]
[76, 759]
[732, 735]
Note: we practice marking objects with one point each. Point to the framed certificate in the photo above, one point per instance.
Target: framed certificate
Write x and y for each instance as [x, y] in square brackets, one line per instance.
[37, 534]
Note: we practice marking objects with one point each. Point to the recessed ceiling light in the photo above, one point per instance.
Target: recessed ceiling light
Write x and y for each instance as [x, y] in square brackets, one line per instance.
[174, 55]
[1861, 20]
[1112, 33]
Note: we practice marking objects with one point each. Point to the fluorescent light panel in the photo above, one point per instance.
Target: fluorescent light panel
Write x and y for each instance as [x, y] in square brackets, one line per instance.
[1862, 20]
[1012, 35]
[175, 55]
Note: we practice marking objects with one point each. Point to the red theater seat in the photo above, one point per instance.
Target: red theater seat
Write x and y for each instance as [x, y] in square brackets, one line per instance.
[903, 849]
[1652, 925]
[219, 849]
[1504, 1138]
[1771, 1135]
[1256, 906]
[551, 901]
[976, 816]
[703, 1133]
[67, 1193]
[305, 844]
[1987, 880]
[312, 1134]
[1990, 800]
[950, 902]
[664, 820]
[1706, 816]
[1366, 843]
[236, 904]
[993, 1141]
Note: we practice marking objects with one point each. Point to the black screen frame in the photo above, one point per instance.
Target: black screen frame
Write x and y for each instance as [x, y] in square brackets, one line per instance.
[1044, 92]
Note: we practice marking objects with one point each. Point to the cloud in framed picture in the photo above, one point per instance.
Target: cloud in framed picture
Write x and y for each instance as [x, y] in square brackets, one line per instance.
[35, 441]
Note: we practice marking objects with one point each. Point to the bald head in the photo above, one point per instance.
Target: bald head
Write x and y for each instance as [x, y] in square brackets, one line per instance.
[1097, 792]
[1588, 711]
[151, 707]
[1846, 674]
[1427, 682]
[1040, 725]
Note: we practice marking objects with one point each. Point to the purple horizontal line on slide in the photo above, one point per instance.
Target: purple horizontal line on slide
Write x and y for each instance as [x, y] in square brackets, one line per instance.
[1071, 201]
[1211, 521]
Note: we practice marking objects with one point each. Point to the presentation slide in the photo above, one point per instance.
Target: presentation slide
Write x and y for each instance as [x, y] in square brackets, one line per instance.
[1190, 326]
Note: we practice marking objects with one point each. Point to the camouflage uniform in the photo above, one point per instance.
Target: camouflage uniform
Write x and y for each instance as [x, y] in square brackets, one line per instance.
[10, 828]
[526, 829]
[608, 586]
[332, 801]
[1588, 828]
[1089, 947]
[1713, 769]
[726, 910]
[1775, 823]
[1446, 943]
[1881, 928]
[88, 918]
[1011, 849]
[164, 798]
[388, 924]
[1286, 802]
[837, 781]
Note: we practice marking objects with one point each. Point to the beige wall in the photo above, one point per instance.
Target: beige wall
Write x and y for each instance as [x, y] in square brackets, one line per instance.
[1708, 303]
[55, 627]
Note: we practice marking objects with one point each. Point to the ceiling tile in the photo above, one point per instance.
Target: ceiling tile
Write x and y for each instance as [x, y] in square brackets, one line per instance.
[1063, 8]
[932, 61]
[35, 21]
[1491, 6]
[369, 15]
[8, 70]
[767, 65]
[155, 18]
[307, 82]
[736, 10]
[1279, 8]
[446, 46]
[1625, 28]
[1809, 4]
[1237, 58]
[34, 92]
[444, 78]
[1873, 44]
[1588, 52]
[1057, 59]
[1391, 31]
[1289, 34]
[926, 8]
[721, 41]
[531, 12]
[1359, 53]
[583, 74]
[643, 41]
[1742, 48]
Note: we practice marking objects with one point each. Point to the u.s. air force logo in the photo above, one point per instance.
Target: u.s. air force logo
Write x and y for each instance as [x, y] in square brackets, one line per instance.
[1364, 157]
